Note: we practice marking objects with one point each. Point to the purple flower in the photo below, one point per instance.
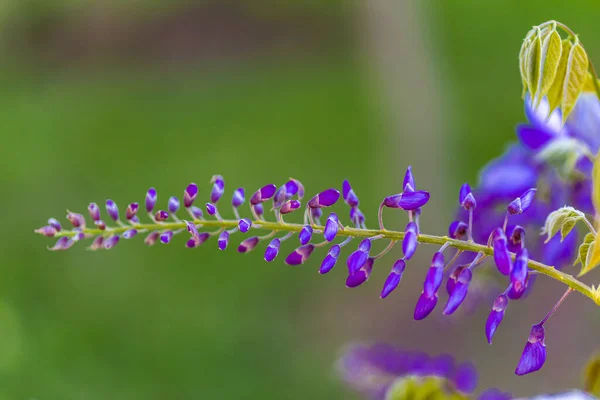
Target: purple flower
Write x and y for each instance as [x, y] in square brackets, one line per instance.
[129, 233]
[173, 204]
[289, 206]
[459, 291]
[151, 238]
[331, 259]
[409, 243]
[238, 198]
[48, 231]
[519, 272]
[94, 211]
[217, 189]
[393, 279]
[295, 187]
[409, 181]
[348, 193]
[300, 255]
[272, 250]
[305, 234]
[161, 215]
[111, 242]
[494, 394]
[196, 212]
[259, 209]
[466, 197]
[434, 277]
[112, 210]
[362, 275]
[151, 197]
[465, 378]
[166, 237]
[63, 243]
[331, 227]
[77, 220]
[53, 222]
[458, 230]
[357, 259]
[189, 195]
[534, 353]
[248, 244]
[425, 306]
[522, 203]
[356, 216]
[501, 254]
[326, 198]
[263, 194]
[97, 243]
[244, 225]
[495, 317]
[211, 209]
[408, 201]
[131, 211]
[223, 240]
[100, 224]
[517, 236]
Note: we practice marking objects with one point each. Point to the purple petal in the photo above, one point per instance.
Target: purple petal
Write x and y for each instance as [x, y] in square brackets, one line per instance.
[63, 243]
[248, 244]
[244, 225]
[527, 199]
[348, 194]
[532, 137]
[259, 209]
[425, 306]
[330, 260]
[408, 201]
[409, 243]
[77, 220]
[534, 353]
[189, 194]
[173, 204]
[409, 181]
[151, 238]
[166, 237]
[98, 243]
[263, 194]
[238, 198]
[465, 190]
[289, 206]
[300, 255]
[494, 394]
[465, 378]
[356, 260]
[326, 198]
[211, 209]
[53, 222]
[94, 211]
[129, 233]
[217, 189]
[365, 245]
[151, 197]
[161, 215]
[272, 250]
[362, 275]
[495, 317]
[356, 215]
[393, 279]
[196, 212]
[331, 227]
[457, 230]
[131, 211]
[223, 240]
[305, 234]
[501, 254]
[111, 242]
[519, 272]
[48, 231]
[460, 291]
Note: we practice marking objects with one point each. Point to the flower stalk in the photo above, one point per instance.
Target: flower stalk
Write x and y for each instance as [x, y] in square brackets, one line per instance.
[461, 245]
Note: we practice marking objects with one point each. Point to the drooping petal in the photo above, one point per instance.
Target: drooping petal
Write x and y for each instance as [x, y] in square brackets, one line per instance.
[223, 240]
[248, 244]
[409, 243]
[393, 279]
[300, 255]
[425, 306]
[460, 291]
[326, 198]
[495, 317]
[189, 194]
[330, 259]
[534, 353]
[501, 254]
[331, 227]
[362, 275]
[305, 234]
[272, 250]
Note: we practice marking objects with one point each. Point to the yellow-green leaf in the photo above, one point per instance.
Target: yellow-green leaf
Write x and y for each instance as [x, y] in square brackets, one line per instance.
[555, 92]
[548, 63]
[584, 248]
[563, 220]
[523, 59]
[589, 85]
[593, 257]
[577, 68]
[591, 376]
[532, 69]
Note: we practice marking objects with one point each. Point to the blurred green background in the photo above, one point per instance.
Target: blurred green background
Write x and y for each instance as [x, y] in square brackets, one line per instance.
[105, 99]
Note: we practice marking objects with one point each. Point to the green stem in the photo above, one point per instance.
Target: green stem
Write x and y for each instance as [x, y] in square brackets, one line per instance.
[461, 245]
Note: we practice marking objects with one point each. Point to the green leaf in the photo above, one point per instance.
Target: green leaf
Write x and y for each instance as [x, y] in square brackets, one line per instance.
[584, 248]
[593, 257]
[523, 59]
[563, 220]
[555, 92]
[532, 69]
[550, 56]
[575, 77]
[591, 376]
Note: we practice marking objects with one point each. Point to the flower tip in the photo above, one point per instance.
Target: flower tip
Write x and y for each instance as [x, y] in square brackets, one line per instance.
[425, 306]
[189, 195]
[534, 353]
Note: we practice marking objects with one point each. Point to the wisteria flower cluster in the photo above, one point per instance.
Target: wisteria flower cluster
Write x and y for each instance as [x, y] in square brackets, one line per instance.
[549, 180]
[383, 372]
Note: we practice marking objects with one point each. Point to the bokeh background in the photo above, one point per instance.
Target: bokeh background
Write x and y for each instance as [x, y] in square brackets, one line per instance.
[105, 98]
